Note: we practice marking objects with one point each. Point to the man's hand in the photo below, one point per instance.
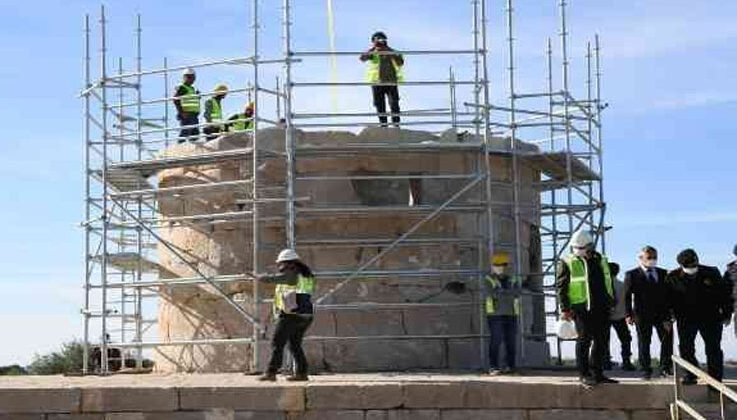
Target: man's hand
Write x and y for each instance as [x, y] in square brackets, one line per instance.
[630, 320]
[566, 315]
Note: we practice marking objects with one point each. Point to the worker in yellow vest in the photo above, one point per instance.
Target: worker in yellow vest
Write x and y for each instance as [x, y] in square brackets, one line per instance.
[214, 112]
[293, 308]
[187, 102]
[502, 314]
[384, 71]
[586, 295]
[242, 121]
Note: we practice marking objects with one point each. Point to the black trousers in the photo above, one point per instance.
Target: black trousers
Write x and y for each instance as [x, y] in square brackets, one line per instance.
[392, 93]
[189, 133]
[711, 333]
[211, 132]
[290, 328]
[592, 328]
[625, 339]
[644, 338]
[502, 329]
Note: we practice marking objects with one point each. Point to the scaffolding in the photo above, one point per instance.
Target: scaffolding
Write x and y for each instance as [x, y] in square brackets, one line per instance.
[125, 139]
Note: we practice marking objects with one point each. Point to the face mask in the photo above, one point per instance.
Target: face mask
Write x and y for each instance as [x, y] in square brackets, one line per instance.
[497, 269]
[579, 251]
[690, 271]
[651, 263]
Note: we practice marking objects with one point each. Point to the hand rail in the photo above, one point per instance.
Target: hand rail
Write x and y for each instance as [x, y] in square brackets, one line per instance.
[680, 404]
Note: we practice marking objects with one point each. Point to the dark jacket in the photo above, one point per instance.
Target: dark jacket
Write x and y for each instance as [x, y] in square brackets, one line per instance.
[650, 299]
[600, 299]
[705, 296]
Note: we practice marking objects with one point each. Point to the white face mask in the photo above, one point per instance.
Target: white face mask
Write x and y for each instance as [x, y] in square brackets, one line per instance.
[579, 251]
[690, 271]
[497, 269]
[651, 263]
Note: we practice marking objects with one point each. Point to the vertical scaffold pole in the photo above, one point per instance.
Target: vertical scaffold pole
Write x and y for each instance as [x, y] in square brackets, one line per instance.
[487, 141]
[121, 234]
[553, 190]
[599, 108]
[139, 201]
[105, 215]
[289, 129]
[566, 115]
[87, 212]
[589, 133]
[166, 104]
[515, 159]
[477, 70]
[453, 105]
[254, 188]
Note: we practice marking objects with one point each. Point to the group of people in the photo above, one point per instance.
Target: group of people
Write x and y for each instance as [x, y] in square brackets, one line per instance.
[694, 299]
[187, 102]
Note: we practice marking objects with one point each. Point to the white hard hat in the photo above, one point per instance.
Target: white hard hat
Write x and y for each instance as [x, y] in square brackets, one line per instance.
[188, 72]
[581, 238]
[287, 254]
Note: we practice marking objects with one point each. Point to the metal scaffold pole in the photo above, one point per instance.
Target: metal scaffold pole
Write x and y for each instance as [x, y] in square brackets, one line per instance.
[254, 188]
[589, 133]
[600, 153]
[489, 249]
[105, 204]
[139, 203]
[289, 129]
[566, 111]
[87, 210]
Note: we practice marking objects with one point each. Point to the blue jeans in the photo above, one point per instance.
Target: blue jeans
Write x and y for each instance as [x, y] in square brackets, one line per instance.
[502, 328]
[189, 133]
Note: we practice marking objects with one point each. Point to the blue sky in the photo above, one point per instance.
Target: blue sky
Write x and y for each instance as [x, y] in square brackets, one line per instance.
[669, 137]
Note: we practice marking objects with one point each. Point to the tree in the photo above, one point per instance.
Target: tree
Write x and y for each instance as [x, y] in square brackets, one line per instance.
[68, 360]
[13, 370]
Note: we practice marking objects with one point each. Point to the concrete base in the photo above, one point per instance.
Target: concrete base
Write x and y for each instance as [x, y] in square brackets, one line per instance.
[325, 397]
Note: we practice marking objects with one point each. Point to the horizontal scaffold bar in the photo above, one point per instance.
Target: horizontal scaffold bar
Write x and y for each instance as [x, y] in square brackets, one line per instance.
[382, 53]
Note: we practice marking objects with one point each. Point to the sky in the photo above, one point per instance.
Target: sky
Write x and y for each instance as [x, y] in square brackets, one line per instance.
[669, 137]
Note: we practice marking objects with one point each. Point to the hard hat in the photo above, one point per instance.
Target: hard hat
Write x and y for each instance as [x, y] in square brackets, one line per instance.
[687, 258]
[221, 88]
[188, 72]
[250, 106]
[287, 254]
[379, 34]
[500, 258]
[581, 238]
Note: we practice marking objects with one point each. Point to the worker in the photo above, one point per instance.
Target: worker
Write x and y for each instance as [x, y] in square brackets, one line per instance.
[586, 296]
[214, 112]
[702, 302]
[384, 72]
[242, 121]
[618, 323]
[730, 276]
[646, 288]
[293, 308]
[502, 313]
[187, 102]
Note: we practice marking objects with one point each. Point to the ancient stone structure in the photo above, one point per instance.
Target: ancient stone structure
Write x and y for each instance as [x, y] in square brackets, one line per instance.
[342, 223]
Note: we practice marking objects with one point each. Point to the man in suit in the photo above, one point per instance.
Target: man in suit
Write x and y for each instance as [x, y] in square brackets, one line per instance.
[646, 287]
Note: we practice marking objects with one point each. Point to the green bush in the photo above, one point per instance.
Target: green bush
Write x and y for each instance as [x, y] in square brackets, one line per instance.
[67, 360]
[13, 370]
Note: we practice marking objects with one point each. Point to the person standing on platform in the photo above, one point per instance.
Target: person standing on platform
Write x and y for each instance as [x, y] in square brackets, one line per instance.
[293, 308]
[502, 314]
[384, 72]
[619, 324]
[214, 112]
[730, 276]
[187, 102]
[648, 307]
[703, 304]
[242, 121]
[586, 296]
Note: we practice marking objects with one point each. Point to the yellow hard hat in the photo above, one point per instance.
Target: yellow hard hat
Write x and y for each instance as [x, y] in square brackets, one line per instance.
[250, 106]
[500, 258]
[221, 88]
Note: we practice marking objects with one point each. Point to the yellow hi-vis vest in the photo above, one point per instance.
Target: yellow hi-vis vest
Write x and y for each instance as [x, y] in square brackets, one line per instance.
[305, 285]
[190, 101]
[216, 112]
[245, 123]
[372, 69]
[578, 288]
[494, 284]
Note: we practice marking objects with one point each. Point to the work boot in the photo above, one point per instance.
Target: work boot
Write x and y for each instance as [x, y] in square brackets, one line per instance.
[587, 381]
[268, 377]
[300, 377]
[688, 380]
[647, 375]
[495, 372]
[627, 365]
[605, 380]
[608, 365]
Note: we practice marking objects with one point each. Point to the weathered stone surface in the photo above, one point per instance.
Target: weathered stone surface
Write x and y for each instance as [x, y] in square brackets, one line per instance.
[517, 395]
[620, 396]
[403, 414]
[101, 400]
[260, 415]
[369, 322]
[465, 353]
[22, 417]
[328, 415]
[39, 400]
[376, 396]
[483, 414]
[569, 414]
[290, 398]
[433, 395]
[384, 355]
[651, 415]
[78, 416]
